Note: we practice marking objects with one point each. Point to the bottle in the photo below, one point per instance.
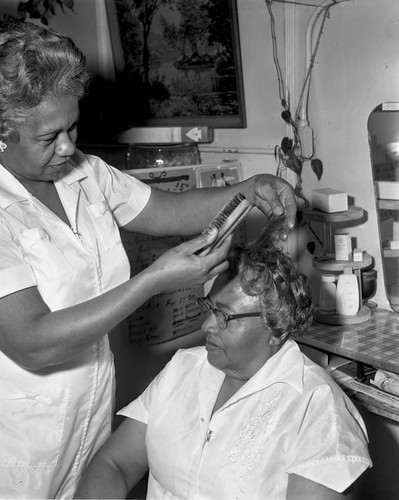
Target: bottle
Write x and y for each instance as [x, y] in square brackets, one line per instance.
[347, 298]
[327, 294]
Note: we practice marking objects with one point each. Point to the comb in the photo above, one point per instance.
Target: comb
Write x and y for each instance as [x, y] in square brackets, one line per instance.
[227, 220]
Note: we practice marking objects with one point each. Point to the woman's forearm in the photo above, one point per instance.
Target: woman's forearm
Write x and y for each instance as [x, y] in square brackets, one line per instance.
[189, 212]
[102, 480]
[118, 465]
[186, 213]
[35, 337]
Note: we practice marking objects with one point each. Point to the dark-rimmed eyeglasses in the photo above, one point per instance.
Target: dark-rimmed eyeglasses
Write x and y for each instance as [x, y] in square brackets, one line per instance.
[221, 317]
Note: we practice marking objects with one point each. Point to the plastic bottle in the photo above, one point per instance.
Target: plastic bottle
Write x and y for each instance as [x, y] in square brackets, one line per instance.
[327, 294]
[347, 298]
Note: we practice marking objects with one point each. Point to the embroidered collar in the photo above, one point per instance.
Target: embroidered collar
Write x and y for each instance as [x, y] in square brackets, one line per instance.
[286, 366]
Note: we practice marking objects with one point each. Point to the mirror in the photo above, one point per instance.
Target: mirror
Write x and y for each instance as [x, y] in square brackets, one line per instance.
[383, 130]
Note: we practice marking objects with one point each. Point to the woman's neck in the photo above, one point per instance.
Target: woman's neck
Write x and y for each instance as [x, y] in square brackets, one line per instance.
[46, 192]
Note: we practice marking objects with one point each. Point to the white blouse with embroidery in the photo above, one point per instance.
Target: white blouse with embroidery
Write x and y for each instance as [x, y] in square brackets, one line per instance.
[290, 417]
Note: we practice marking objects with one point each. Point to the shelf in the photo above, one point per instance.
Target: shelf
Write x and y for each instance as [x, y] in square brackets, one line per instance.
[388, 204]
[333, 265]
[352, 214]
[327, 262]
[364, 314]
[388, 253]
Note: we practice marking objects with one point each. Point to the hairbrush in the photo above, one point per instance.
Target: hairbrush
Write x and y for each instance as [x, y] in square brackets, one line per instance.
[227, 220]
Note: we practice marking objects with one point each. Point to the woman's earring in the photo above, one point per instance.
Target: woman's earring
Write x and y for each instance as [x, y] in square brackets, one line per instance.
[3, 146]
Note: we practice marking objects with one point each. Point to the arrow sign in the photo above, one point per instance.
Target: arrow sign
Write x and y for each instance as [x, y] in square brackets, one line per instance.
[195, 134]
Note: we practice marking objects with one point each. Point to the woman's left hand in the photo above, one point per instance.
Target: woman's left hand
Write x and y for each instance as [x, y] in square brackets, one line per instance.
[273, 196]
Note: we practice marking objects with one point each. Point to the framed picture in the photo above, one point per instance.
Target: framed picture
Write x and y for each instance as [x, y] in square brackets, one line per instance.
[219, 175]
[178, 62]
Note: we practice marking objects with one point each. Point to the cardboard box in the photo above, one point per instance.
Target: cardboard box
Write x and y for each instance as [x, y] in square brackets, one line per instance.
[387, 190]
[329, 200]
[357, 255]
[343, 246]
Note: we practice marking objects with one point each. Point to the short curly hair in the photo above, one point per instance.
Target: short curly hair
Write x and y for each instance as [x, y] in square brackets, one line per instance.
[267, 272]
[35, 63]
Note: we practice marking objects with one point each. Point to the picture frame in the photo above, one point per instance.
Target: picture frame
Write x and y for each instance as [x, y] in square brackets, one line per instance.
[219, 175]
[186, 70]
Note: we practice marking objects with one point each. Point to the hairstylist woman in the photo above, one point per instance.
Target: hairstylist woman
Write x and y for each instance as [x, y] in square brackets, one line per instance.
[64, 275]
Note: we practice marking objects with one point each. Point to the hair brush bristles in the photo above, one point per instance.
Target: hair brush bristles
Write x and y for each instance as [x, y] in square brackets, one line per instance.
[226, 211]
[227, 220]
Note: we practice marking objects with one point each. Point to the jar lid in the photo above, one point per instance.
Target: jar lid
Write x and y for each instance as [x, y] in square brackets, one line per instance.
[330, 278]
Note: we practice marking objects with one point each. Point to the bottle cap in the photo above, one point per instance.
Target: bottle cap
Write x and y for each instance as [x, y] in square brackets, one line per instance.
[330, 278]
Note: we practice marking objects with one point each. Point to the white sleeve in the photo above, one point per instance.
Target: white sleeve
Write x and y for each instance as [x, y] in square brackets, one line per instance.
[330, 442]
[126, 195]
[15, 274]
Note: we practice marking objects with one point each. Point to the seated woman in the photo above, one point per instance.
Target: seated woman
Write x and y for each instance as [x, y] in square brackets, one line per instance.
[248, 416]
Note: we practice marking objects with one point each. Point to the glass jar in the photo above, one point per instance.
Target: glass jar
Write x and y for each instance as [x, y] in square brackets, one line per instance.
[328, 292]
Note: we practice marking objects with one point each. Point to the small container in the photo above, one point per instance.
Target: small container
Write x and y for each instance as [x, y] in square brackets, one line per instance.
[327, 294]
[343, 246]
[369, 284]
[357, 255]
[348, 300]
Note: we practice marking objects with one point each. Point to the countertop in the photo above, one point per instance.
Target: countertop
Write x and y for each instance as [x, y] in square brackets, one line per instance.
[374, 343]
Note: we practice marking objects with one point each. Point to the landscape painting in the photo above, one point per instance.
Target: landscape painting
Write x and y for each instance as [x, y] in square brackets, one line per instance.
[178, 62]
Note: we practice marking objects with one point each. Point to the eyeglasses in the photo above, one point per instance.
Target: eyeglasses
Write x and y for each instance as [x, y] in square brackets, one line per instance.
[221, 317]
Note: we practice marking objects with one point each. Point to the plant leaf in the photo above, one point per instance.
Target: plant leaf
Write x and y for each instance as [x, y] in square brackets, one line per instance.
[286, 145]
[286, 116]
[311, 247]
[294, 164]
[317, 167]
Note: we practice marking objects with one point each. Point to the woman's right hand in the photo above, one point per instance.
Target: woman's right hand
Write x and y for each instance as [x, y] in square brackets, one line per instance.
[181, 266]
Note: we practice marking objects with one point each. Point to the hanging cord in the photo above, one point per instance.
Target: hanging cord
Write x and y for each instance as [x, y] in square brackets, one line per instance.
[283, 92]
[326, 12]
[281, 86]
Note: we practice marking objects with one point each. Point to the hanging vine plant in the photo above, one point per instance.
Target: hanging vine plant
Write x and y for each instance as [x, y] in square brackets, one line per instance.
[288, 153]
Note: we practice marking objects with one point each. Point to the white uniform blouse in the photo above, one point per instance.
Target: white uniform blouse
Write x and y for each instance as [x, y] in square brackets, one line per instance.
[290, 417]
[54, 419]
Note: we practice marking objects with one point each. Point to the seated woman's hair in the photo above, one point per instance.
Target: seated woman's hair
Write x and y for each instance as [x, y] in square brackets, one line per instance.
[35, 63]
[269, 273]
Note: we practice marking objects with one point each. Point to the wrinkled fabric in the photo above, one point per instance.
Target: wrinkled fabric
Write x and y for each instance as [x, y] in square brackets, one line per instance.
[53, 420]
[290, 417]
